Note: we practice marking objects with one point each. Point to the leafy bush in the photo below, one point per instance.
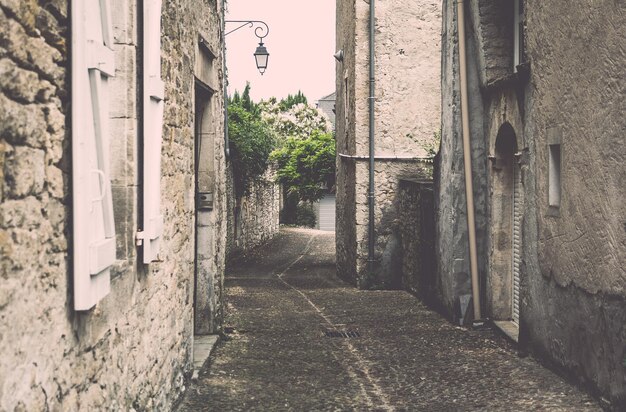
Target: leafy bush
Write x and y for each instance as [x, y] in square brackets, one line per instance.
[305, 215]
[306, 166]
[294, 135]
[251, 142]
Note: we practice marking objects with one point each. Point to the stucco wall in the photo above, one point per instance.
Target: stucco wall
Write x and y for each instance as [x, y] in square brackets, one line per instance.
[407, 112]
[252, 219]
[134, 348]
[573, 306]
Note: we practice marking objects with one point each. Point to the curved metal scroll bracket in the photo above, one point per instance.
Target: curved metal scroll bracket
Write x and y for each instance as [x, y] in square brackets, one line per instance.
[261, 31]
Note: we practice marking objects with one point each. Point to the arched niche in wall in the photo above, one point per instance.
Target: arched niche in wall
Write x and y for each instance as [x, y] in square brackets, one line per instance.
[505, 228]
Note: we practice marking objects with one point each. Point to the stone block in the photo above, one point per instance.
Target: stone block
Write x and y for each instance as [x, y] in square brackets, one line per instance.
[123, 138]
[25, 172]
[25, 11]
[124, 15]
[22, 124]
[25, 246]
[123, 87]
[24, 213]
[33, 52]
[55, 182]
[125, 220]
[18, 83]
[50, 29]
[58, 217]
[55, 138]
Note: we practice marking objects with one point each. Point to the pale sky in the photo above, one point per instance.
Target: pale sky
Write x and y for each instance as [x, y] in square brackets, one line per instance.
[301, 44]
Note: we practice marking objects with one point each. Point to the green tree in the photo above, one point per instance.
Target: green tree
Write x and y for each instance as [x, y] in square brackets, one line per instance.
[306, 166]
[251, 141]
[290, 101]
[294, 135]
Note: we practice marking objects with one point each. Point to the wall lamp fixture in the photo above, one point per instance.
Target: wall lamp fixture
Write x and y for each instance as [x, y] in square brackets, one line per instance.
[261, 55]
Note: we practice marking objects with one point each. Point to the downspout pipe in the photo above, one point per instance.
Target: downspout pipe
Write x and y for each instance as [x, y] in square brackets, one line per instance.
[469, 190]
[225, 77]
[371, 203]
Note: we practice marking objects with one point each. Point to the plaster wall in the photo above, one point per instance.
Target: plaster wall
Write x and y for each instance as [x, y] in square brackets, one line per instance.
[407, 116]
[134, 349]
[576, 307]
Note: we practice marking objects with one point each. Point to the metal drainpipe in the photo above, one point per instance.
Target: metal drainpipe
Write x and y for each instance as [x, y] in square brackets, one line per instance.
[469, 190]
[225, 78]
[371, 239]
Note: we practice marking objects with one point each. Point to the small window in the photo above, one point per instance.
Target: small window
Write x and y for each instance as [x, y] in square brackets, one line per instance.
[518, 46]
[554, 173]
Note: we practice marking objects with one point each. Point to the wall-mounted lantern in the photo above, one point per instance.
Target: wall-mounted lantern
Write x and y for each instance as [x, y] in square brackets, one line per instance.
[261, 56]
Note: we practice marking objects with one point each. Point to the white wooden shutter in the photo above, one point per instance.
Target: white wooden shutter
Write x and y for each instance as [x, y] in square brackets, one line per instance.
[153, 91]
[94, 228]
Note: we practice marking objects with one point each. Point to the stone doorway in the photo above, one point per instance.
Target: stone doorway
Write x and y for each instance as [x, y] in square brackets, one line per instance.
[503, 283]
[204, 187]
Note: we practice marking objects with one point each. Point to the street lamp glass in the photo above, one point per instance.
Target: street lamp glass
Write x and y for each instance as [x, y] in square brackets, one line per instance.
[261, 56]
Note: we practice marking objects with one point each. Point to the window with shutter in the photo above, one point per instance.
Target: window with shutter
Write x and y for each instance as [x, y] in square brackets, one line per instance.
[153, 91]
[94, 228]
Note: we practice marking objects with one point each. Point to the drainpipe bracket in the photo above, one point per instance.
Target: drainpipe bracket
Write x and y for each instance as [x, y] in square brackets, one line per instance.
[139, 237]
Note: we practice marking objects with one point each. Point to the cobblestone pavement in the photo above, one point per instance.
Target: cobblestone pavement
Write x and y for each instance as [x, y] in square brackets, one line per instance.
[284, 297]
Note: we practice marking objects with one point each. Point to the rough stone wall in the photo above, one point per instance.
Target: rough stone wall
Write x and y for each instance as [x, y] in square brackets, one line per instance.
[450, 205]
[573, 304]
[345, 125]
[387, 246]
[493, 39]
[417, 238]
[407, 112]
[253, 219]
[133, 349]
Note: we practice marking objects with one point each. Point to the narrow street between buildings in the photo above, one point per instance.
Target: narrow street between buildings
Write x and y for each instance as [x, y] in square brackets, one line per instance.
[298, 338]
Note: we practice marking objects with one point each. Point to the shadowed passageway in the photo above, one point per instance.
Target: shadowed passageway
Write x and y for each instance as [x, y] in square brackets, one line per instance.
[297, 338]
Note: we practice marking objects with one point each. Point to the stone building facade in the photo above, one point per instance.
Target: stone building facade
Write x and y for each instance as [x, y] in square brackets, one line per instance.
[102, 289]
[546, 101]
[407, 117]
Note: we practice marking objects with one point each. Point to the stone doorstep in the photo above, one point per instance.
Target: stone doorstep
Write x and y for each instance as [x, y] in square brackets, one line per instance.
[203, 346]
[510, 329]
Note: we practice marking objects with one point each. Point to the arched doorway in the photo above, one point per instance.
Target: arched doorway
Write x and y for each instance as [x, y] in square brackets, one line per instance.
[503, 284]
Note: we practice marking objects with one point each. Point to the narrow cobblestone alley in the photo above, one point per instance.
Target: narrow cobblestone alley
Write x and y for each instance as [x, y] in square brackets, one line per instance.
[276, 355]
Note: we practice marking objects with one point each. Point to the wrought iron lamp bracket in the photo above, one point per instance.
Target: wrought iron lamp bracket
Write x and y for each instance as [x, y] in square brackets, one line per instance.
[261, 31]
